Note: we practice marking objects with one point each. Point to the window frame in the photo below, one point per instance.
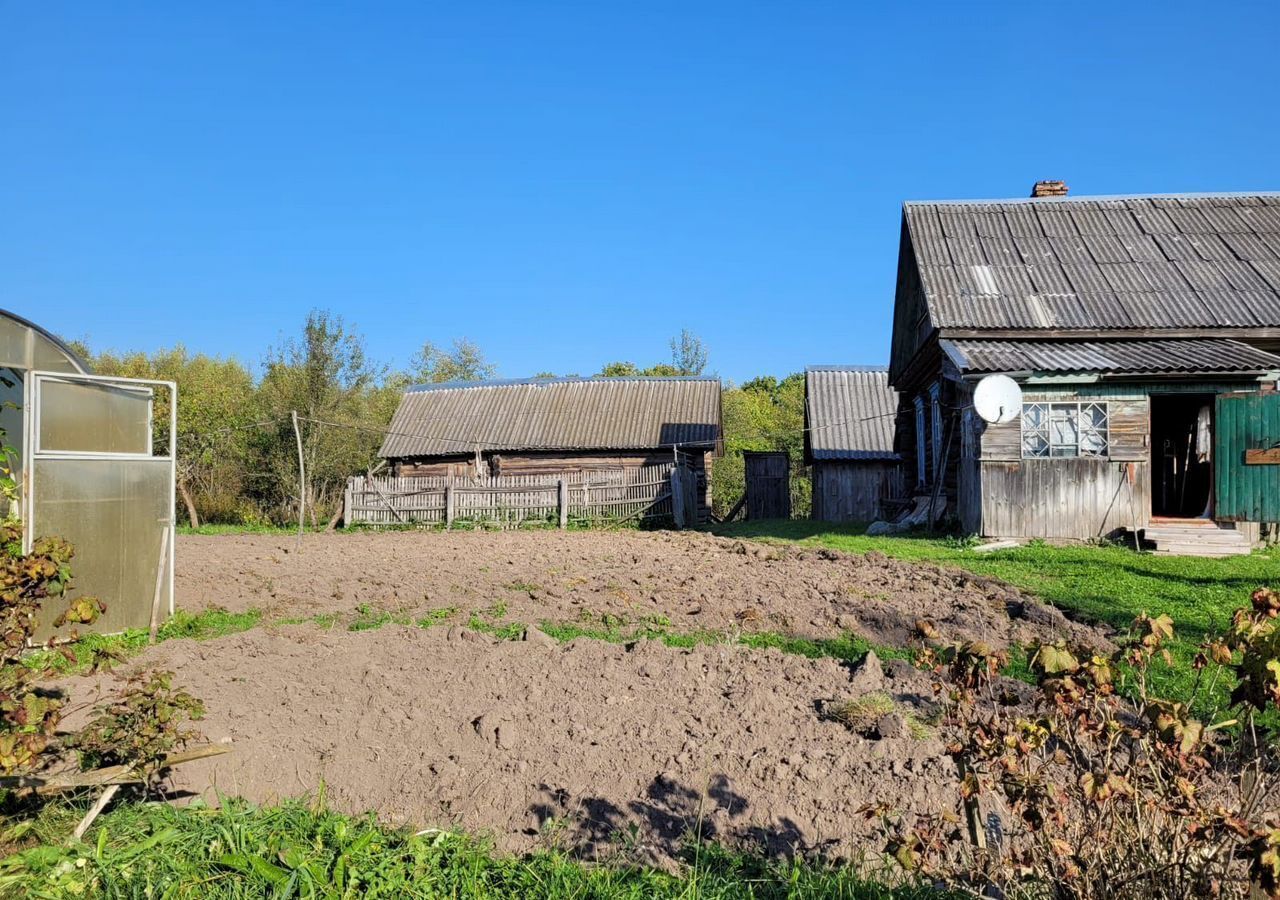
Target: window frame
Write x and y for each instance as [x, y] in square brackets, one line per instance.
[1090, 420]
[921, 471]
[935, 428]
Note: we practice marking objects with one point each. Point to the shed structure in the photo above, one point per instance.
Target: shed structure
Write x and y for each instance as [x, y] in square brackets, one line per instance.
[557, 426]
[848, 442]
[92, 459]
[1138, 328]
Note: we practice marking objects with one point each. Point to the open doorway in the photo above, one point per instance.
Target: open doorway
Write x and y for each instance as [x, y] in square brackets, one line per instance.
[1182, 455]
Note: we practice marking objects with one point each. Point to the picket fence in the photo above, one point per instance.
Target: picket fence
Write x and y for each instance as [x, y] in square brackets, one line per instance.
[513, 501]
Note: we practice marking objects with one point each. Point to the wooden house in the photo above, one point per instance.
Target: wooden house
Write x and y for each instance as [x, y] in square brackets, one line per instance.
[1144, 332]
[848, 442]
[556, 426]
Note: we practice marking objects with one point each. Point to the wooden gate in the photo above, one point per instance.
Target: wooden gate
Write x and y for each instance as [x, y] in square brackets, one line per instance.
[768, 485]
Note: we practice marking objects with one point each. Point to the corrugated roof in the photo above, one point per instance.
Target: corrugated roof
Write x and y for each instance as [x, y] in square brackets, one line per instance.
[851, 412]
[1201, 261]
[555, 414]
[1110, 357]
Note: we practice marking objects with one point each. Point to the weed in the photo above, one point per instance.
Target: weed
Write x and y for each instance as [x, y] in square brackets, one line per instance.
[436, 616]
[302, 849]
[370, 619]
[862, 713]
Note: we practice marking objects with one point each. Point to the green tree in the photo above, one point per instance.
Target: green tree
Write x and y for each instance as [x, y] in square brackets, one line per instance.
[688, 353]
[618, 370]
[462, 361]
[688, 357]
[344, 401]
[765, 413]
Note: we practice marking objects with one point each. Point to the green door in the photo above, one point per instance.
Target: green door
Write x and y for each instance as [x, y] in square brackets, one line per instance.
[1248, 484]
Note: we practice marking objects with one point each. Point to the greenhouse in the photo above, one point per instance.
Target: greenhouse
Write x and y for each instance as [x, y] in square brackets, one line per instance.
[93, 460]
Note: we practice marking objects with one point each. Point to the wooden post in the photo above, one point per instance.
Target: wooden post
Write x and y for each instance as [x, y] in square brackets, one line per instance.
[562, 501]
[448, 505]
[302, 478]
[160, 570]
[677, 497]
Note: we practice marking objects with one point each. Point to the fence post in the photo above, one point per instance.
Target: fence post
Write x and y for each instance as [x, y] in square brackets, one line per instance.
[448, 505]
[562, 501]
[677, 497]
[347, 503]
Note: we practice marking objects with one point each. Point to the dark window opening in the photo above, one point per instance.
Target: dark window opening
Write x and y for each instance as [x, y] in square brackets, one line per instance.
[1182, 455]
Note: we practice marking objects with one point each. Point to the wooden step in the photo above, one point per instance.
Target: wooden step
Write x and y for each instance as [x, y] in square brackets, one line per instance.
[1198, 537]
[1205, 550]
[1160, 535]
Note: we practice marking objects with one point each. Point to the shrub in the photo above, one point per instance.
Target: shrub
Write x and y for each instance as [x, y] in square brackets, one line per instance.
[1104, 790]
[141, 726]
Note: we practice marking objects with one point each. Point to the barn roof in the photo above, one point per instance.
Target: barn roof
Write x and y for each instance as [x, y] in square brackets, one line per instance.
[555, 414]
[1110, 263]
[849, 413]
[1169, 357]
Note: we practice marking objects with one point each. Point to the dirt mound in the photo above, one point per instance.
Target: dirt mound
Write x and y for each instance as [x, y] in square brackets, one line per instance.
[603, 747]
[689, 581]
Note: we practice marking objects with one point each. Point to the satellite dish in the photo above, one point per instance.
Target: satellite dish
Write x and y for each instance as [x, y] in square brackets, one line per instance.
[998, 399]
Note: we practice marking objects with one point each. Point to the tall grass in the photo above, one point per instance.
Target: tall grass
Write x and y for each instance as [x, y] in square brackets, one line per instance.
[303, 850]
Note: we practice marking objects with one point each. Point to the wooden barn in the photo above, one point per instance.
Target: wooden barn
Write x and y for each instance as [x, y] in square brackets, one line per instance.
[556, 426]
[848, 442]
[1144, 334]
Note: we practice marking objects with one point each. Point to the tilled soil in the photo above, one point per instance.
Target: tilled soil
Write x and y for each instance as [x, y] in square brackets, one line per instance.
[601, 747]
[691, 581]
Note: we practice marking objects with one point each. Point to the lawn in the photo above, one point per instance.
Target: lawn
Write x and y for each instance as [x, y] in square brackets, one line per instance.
[300, 849]
[1110, 584]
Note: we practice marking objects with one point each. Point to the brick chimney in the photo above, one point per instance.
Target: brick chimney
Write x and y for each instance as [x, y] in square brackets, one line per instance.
[1049, 189]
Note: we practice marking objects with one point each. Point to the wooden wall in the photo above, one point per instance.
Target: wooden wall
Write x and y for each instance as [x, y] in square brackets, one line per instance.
[851, 491]
[1064, 499]
[1002, 495]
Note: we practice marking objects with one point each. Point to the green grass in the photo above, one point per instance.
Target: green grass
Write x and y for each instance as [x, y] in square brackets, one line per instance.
[202, 626]
[242, 529]
[368, 619]
[302, 850]
[1110, 584]
[435, 617]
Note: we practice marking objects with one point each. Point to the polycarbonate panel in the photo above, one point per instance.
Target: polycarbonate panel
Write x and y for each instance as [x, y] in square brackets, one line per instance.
[13, 344]
[12, 420]
[24, 347]
[94, 417]
[114, 512]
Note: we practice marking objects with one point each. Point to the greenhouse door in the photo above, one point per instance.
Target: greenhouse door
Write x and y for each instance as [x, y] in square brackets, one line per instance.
[100, 474]
[1247, 452]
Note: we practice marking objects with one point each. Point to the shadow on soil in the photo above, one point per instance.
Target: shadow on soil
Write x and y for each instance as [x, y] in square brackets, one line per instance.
[669, 819]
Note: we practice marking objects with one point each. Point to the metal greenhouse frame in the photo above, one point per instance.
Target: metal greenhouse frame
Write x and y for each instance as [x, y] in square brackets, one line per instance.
[91, 472]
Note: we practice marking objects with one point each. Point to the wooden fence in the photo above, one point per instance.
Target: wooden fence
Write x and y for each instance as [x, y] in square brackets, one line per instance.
[513, 501]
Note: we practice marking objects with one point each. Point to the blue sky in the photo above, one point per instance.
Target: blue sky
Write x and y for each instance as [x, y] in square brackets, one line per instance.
[571, 183]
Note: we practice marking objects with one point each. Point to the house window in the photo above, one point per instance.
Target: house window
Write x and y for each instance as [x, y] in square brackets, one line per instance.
[1065, 430]
[935, 426]
[920, 444]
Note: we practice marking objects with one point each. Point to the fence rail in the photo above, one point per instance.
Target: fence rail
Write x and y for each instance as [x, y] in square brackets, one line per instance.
[512, 501]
